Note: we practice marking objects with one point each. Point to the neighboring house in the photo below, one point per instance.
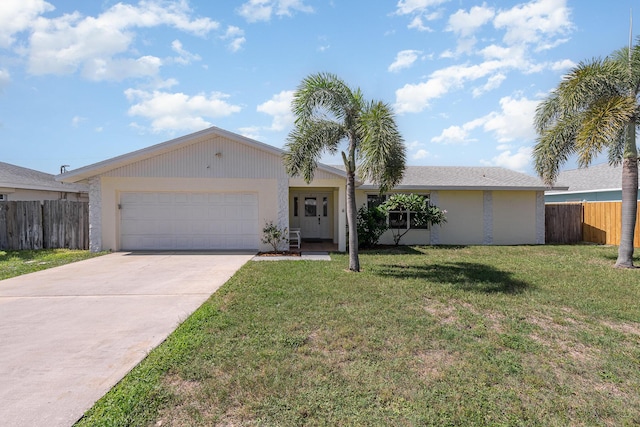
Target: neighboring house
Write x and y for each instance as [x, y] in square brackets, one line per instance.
[214, 189]
[598, 183]
[22, 184]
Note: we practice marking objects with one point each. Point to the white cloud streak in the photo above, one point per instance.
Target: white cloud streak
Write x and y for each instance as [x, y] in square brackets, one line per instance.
[178, 111]
[404, 59]
[263, 10]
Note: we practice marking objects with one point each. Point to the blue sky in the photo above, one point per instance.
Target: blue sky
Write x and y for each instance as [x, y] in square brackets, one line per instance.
[83, 81]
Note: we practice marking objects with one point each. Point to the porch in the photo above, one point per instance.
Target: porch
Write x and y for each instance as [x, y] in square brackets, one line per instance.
[317, 215]
[317, 246]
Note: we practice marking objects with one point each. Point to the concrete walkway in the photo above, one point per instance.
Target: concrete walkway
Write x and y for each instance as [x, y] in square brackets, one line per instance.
[69, 334]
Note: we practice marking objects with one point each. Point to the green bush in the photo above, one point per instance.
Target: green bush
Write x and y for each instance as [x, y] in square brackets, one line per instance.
[274, 235]
[371, 223]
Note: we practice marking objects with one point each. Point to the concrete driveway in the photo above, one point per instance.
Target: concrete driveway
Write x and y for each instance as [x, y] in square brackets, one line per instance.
[70, 333]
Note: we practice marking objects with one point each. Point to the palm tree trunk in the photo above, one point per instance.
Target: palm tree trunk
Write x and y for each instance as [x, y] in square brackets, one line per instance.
[354, 260]
[629, 198]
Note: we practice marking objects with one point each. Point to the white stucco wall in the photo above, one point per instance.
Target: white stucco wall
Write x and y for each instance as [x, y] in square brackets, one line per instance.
[514, 217]
[479, 218]
[465, 217]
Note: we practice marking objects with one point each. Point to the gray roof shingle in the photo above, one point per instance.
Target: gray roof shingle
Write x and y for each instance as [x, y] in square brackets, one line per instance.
[13, 176]
[592, 178]
[464, 178]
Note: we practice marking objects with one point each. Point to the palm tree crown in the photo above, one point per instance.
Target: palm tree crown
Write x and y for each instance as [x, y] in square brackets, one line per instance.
[329, 113]
[594, 109]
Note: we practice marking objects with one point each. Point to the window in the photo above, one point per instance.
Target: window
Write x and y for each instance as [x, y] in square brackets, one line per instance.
[396, 219]
[3, 197]
[295, 206]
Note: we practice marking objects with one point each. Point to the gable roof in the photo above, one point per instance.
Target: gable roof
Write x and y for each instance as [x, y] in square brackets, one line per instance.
[463, 178]
[601, 177]
[168, 146]
[12, 176]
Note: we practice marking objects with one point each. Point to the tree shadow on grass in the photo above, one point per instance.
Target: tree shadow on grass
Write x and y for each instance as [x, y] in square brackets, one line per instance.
[466, 276]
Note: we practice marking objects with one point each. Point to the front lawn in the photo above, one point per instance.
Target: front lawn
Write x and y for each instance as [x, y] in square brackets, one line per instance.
[522, 336]
[16, 263]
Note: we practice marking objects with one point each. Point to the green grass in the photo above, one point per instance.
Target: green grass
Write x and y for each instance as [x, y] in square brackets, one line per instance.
[504, 336]
[16, 263]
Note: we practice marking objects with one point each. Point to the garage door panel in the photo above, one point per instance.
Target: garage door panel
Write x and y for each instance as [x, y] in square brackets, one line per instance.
[188, 221]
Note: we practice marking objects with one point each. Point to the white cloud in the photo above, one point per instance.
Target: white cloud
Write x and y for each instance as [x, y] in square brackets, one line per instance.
[563, 65]
[534, 22]
[466, 23]
[76, 120]
[404, 59]
[120, 69]
[5, 78]
[252, 132]
[514, 122]
[421, 154]
[17, 16]
[492, 83]
[184, 57]
[414, 98]
[527, 27]
[518, 161]
[65, 44]
[458, 134]
[417, 24]
[236, 38]
[178, 111]
[279, 106]
[407, 7]
[262, 10]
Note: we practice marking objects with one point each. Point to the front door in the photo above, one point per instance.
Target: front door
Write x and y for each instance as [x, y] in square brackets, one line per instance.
[315, 218]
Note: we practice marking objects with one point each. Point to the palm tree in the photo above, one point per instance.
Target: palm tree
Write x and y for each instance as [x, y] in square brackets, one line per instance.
[595, 108]
[328, 113]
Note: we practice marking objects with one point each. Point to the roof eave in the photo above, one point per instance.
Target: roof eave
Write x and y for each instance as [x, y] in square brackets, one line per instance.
[457, 187]
[19, 186]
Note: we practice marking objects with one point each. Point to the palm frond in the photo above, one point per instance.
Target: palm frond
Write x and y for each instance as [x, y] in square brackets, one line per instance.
[305, 145]
[590, 81]
[321, 94]
[554, 146]
[381, 151]
[602, 124]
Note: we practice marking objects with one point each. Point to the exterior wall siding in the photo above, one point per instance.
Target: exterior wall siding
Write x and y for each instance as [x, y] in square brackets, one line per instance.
[213, 157]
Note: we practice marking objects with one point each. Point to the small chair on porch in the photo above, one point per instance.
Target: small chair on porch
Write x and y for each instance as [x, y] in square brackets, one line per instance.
[294, 237]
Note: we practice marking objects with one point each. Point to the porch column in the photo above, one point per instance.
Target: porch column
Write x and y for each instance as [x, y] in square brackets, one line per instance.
[487, 208]
[540, 218]
[342, 218]
[95, 214]
[283, 205]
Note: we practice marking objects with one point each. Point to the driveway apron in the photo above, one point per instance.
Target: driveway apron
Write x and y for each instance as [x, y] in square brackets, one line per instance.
[70, 333]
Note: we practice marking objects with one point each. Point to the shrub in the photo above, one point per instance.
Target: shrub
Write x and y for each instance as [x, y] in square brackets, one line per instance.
[371, 223]
[274, 235]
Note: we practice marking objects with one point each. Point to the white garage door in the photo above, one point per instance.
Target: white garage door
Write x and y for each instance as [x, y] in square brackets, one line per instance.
[188, 221]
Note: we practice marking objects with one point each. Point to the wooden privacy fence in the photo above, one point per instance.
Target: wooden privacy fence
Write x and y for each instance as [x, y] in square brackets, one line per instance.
[49, 225]
[563, 223]
[596, 222]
